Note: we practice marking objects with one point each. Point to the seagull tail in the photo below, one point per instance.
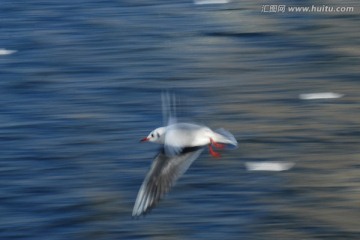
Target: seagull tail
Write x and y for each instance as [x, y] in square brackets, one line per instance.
[225, 137]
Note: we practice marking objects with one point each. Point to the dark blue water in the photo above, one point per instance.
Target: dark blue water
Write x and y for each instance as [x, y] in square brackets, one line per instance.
[84, 86]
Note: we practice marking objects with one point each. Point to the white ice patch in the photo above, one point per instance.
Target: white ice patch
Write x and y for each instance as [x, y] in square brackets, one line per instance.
[6, 51]
[203, 2]
[324, 95]
[269, 166]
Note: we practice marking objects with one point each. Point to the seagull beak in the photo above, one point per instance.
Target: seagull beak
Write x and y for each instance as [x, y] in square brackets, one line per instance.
[144, 139]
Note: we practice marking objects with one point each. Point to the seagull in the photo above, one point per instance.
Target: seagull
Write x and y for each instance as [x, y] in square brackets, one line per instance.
[181, 144]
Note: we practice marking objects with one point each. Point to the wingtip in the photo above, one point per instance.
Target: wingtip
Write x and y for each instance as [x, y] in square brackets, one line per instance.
[139, 213]
[136, 216]
[135, 213]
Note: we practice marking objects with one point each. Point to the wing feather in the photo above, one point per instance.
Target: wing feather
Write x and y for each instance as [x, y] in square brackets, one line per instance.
[168, 108]
[163, 174]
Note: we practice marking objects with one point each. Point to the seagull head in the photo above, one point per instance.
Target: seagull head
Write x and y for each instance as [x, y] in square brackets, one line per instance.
[156, 136]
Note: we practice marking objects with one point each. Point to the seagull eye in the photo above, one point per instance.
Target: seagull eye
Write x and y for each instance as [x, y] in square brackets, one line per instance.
[152, 135]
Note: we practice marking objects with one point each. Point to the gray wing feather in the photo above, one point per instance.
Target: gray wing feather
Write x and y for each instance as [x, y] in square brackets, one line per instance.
[161, 177]
[168, 108]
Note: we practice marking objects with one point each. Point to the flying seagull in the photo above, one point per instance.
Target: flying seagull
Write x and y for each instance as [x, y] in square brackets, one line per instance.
[181, 143]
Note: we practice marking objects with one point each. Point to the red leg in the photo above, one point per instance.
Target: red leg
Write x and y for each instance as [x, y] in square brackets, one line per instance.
[213, 153]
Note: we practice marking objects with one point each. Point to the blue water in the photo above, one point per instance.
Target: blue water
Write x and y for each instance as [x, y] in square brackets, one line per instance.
[84, 86]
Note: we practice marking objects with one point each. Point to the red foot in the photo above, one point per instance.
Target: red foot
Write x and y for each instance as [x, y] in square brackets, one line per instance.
[217, 145]
[213, 153]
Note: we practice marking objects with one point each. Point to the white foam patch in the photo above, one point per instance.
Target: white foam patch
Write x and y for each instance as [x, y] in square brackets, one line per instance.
[203, 2]
[6, 51]
[269, 166]
[324, 95]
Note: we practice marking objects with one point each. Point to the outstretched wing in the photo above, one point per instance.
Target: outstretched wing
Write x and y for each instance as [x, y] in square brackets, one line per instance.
[168, 108]
[162, 176]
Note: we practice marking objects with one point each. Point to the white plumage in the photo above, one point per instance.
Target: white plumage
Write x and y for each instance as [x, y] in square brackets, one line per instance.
[182, 143]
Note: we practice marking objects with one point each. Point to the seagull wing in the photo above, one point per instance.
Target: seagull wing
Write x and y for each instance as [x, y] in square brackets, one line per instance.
[168, 108]
[164, 172]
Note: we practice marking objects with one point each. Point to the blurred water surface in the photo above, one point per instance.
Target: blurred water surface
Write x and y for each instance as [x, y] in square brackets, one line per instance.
[84, 86]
